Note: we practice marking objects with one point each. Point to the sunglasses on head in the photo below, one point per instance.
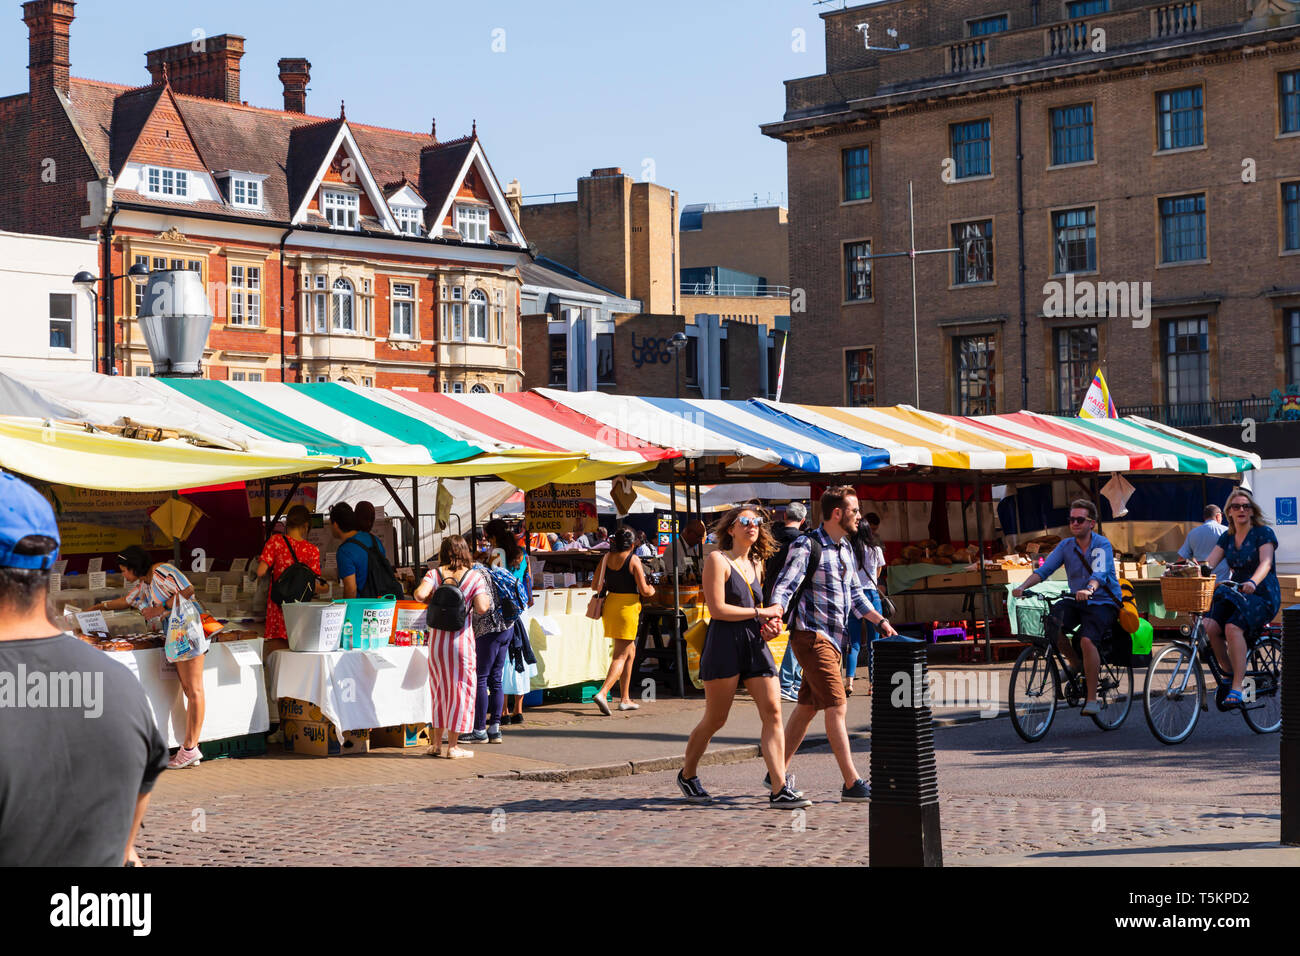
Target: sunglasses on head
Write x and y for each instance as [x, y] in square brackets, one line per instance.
[750, 522]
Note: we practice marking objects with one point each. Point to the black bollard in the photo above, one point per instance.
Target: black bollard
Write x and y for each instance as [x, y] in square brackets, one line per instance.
[1291, 726]
[904, 781]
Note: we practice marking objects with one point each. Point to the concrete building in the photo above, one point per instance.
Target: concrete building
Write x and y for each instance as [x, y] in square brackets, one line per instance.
[751, 239]
[1121, 183]
[48, 321]
[330, 249]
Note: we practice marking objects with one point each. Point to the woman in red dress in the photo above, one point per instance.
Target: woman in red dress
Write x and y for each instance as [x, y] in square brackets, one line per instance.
[276, 558]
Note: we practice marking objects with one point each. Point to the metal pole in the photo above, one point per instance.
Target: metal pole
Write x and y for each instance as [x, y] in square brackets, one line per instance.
[415, 508]
[916, 347]
[1020, 220]
[984, 575]
[473, 516]
[677, 590]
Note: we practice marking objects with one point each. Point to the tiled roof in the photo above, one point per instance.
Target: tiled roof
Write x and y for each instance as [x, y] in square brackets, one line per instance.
[551, 275]
[439, 166]
[130, 112]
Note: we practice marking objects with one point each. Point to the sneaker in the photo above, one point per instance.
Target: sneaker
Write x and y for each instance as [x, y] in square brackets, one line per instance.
[1090, 709]
[858, 793]
[789, 783]
[602, 704]
[787, 799]
[628, 705]
[494, 734]
[185, 758]
[475, 737]
[693, 790]
[790, 695]
[516, 718]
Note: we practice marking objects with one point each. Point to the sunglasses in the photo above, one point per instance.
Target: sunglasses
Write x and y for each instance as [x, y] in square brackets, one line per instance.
[750, 522]
[1074, 520]
[1239, 506]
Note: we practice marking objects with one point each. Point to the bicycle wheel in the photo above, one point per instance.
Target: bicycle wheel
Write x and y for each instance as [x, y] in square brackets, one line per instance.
[1264, 667]
[1031, 698]
[1114, 695]
[1174, 693]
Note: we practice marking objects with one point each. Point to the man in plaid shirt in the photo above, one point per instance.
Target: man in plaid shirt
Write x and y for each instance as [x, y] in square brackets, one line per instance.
[818, 621]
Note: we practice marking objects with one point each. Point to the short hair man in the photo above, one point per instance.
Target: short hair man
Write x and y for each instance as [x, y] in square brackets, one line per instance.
[796, 513]
[352, 559]
[685, 546]
[818, 623]
[1202, 540]
[1089, 564]
[77, 766]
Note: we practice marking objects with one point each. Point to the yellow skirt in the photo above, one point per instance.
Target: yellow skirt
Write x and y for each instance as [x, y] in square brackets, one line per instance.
[621, 617]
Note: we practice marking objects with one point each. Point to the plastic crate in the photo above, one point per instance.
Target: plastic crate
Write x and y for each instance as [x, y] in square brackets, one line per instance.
[248, 745]
[573, 694]
[534, 698]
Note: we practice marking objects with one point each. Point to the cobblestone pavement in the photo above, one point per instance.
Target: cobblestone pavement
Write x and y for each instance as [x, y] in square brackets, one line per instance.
[640, 820]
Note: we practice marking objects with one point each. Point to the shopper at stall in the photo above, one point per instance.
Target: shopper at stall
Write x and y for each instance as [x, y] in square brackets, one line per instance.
[452, 657]
[735, 650]
[791, 675]
[818, 620]
[600, 540]
[1204, 538]
[1237, 617]
[353, 558]
[365, 514]
[869, 557]
[621, 578]
[157, 586]
[643, 549]
[279, 554]
[685, 548]
[1089, 562]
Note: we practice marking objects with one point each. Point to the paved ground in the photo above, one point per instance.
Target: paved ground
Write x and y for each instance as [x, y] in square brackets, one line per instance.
[1081, 798]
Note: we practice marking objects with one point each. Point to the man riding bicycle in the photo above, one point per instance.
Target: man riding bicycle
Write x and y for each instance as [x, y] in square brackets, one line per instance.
[1089, 564]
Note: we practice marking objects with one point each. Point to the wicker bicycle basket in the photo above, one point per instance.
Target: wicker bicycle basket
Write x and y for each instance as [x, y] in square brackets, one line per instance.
[1187, 595]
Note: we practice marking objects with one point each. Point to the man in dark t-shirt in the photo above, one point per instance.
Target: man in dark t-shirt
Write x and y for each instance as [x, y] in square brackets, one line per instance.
[79, 749]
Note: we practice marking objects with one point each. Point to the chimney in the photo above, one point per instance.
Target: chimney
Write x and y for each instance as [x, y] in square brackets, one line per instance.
[515, 198]
[48, 24]
[206, 66]
[295, 74]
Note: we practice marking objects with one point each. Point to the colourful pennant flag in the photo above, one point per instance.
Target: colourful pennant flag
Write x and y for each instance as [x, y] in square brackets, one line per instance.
[1097, 403]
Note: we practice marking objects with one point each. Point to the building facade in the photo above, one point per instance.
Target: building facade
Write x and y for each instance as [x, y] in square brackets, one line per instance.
[48, 321]
[331, 250]
[1117, 184]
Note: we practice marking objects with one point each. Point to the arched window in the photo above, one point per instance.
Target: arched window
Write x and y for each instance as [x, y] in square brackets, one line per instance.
[478, 321]
[480, 389]
[341, 307]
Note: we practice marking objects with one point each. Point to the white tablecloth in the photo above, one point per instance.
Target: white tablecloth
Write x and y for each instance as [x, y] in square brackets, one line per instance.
[235, 693]
[357, 690]
[570, 649]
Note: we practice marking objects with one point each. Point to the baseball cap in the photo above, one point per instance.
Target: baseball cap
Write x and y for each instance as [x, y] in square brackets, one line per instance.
[796, 511]
[24, 511]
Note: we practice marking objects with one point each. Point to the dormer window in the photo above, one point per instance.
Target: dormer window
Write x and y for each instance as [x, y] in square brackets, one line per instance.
[166, 182]
[340, 208]
[408, 220]
[245, 192]
[472, 223]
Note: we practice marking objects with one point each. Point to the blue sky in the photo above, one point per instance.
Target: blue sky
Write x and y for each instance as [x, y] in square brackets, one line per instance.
[580, 84]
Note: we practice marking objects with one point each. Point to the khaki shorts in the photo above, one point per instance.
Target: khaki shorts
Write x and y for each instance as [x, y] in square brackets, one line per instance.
[822, 686]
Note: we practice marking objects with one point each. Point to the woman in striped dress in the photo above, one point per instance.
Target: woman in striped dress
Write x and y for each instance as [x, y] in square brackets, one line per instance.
[452, 657]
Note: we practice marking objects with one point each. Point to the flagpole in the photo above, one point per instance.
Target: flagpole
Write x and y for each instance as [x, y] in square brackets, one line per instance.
[916, 347]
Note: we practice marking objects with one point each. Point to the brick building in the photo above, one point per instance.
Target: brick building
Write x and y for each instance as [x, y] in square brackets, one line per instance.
[331, 250]
[623, 241]
[1071, 153]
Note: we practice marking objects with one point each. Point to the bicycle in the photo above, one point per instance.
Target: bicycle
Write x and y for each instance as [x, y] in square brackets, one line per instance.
[1036, 684]
[1172, 708]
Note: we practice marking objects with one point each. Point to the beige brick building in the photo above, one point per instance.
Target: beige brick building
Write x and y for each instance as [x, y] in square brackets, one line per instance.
[1063, 149]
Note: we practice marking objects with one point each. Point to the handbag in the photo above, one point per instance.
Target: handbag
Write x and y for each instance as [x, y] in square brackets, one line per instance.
[186, 639]
[596, 606]
[696, 634]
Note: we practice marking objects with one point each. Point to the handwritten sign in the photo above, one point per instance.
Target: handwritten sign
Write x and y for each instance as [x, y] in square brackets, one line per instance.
[95, 565]
[548, 580]
[98, 580]
[250, 585]
[244, 653]
[92, 622]
[229, 593]
[166, 669]
[213, 586]
[239, 564]
[61, 566]
[56, 581]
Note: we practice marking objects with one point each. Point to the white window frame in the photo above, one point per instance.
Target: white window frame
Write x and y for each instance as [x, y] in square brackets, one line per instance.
[164, 181]
[245, 291]
[409, 220]
[251, 187]
[458, 388]
[367, 381]
[473, 223]
[367, 307]
[341, 204]
[245, 375]
[142, 371]
[402, 294]
[71, 321]
[343, 293]
[478, 313]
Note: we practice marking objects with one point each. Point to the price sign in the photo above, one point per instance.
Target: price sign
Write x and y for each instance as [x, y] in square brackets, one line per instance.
[229, 593]
[548, 580]
[166, 669]
[92, 622]
[250, 585]
[98, 580]
[95, 564]
[244, 653]
[239, 564]
[214, 585]
[61, 566]
[570, 579]
[56, 581]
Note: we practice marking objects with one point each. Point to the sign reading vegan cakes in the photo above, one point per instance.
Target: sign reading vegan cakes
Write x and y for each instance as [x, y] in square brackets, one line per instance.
[560, 508]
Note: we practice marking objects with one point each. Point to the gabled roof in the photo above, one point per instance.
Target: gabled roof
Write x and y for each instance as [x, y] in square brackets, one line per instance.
[446, 166]
[131, 111]
[311, 148]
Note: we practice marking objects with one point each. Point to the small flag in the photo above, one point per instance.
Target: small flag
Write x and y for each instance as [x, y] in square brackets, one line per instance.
[1097, 403]
[780, 374]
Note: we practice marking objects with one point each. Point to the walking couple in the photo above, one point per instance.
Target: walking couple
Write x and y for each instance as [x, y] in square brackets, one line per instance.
[817, 591]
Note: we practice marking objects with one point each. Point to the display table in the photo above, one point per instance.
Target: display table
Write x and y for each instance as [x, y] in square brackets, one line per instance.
[570, 649]
[357, 690]
[233, 684]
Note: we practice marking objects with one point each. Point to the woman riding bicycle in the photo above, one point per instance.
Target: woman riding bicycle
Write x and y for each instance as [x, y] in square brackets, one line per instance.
[1249, 546]
[1089, 564]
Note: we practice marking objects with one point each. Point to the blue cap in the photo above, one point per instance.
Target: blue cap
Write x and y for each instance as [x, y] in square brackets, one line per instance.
[24, 511]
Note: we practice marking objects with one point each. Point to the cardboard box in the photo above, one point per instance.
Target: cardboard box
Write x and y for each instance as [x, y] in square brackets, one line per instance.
[957, 579]
[318, 739]
[300, 710]
[403, 735]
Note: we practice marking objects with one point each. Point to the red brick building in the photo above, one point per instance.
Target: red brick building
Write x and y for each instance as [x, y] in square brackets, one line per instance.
[331, 250]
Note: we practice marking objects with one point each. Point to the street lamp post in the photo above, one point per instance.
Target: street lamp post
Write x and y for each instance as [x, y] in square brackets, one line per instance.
[139, 275]
[676, 344]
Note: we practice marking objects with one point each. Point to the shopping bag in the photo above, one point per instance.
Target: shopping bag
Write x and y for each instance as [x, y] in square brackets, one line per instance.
[696, 633]
[185, 637]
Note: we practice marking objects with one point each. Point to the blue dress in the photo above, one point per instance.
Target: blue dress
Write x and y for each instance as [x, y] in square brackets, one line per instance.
[1250, 612]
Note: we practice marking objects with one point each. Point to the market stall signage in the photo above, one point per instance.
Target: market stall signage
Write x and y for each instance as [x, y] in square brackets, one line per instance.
[559, 508]
[305, 496]
[96, 522]
[92, 622]
[98, 580]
